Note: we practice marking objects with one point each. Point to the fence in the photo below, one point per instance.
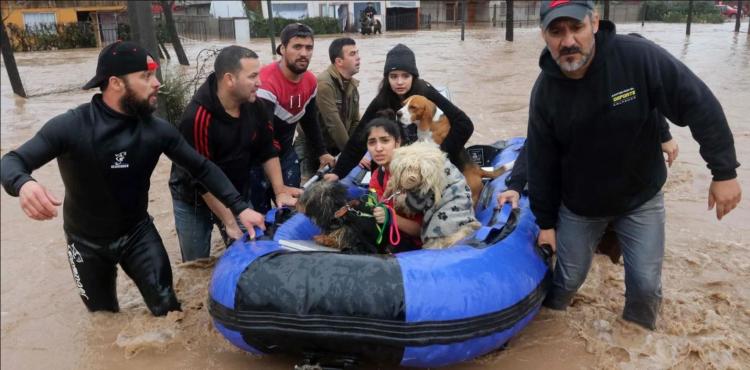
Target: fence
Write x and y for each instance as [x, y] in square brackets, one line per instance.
[425, 21]
[204, 27]
[196, 27]
[406, 21]
[525, 13]
[226, 28]
[623, 13]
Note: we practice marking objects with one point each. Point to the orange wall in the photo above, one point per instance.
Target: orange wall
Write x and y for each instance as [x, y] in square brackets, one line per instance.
[62, 15]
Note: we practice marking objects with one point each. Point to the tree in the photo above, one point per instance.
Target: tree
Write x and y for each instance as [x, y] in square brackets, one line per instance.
[738, 16]
[606, 10]
[271, 31]
[689, 17]
[172, 31]
[463, 18]
[10, 61]
[142, 29]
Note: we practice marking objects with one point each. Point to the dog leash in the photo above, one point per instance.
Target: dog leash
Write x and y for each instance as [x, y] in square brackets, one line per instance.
[394, 227]
[390, 222]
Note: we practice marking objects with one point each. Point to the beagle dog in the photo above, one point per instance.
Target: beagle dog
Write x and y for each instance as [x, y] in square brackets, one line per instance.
[433, 125]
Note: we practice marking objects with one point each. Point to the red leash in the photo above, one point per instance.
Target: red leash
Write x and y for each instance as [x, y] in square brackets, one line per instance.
[394, 228]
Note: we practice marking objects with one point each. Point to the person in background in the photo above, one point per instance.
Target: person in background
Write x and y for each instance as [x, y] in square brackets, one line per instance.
[337, 102]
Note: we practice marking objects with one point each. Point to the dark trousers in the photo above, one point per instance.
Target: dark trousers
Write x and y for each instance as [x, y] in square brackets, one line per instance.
[141, 255]
[261, 192]
[640, 232]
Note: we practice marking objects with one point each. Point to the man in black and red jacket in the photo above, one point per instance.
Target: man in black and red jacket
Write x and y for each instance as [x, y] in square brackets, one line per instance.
[226, 124]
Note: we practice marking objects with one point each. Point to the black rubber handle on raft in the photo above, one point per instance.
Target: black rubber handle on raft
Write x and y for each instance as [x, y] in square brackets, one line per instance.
[547, 250]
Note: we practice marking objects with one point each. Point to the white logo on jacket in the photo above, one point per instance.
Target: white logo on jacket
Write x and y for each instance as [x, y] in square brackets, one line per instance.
[120, 160]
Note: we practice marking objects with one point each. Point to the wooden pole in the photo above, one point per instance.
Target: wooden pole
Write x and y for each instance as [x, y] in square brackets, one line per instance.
[494, 15]
[606, 9]
[172, 30]
[738, 16]
[508, 20]
[463, 18]
[271, 32]
[10, 62]
[690, 17]
[146, 32]
[133, 21]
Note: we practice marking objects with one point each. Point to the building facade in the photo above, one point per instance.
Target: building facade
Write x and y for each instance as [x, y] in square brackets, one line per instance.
[103, 15]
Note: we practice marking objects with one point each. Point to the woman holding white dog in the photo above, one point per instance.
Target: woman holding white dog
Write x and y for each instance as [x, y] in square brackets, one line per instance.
[383, 138]
[400, 81]
[424, 192]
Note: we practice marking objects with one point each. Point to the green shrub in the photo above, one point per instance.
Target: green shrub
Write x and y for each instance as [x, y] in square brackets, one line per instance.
[319, 25]
[52, 36]
[123, 31]
[174, 95]
[676, 11]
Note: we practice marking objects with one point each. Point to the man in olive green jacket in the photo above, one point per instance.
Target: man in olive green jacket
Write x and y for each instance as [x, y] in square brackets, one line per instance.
[337, 102]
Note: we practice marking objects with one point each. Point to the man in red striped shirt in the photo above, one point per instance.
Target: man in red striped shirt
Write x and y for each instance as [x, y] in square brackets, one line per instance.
[288, 94]
[226, 124]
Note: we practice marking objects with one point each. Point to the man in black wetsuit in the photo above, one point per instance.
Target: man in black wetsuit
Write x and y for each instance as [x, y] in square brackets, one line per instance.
[106, 151]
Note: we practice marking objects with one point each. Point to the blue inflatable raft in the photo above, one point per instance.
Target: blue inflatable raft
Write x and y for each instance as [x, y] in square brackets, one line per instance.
[422, 308]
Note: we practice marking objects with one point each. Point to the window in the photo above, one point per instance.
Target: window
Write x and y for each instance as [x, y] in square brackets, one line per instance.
[328, 10]
[290, 10]
[35, 21]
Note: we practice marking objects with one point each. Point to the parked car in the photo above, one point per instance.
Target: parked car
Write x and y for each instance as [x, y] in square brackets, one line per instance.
[727, 10]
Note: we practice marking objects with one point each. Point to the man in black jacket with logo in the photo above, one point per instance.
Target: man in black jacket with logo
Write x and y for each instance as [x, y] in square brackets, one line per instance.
[594, 149]
[226, 124]
[106, 151]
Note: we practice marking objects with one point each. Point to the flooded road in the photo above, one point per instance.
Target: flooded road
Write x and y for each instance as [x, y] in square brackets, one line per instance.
[705, 318]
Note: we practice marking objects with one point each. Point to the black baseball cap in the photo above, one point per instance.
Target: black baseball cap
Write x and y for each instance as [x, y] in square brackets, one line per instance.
[553, 9]
[293, 30]
[121, 58]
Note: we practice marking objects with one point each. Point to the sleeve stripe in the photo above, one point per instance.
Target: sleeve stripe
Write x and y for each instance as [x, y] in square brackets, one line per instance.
[206, 123]
[200, 131]
[196, 129]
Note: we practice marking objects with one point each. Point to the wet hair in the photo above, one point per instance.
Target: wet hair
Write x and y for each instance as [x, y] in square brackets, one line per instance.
[336, 50]
[386, 98]
[228, 60]
[387, 123]
[294, 30]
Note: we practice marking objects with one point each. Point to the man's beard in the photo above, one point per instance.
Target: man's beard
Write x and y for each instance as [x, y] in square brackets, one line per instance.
[134, 107]
[293, 67]
[575, 65]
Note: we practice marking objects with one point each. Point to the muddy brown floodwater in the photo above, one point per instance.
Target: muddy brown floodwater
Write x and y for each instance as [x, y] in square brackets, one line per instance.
[705, 318]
